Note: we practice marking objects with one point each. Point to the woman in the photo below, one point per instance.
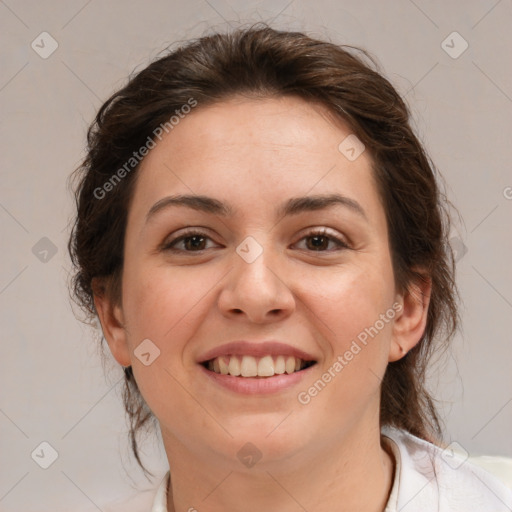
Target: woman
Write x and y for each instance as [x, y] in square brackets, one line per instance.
[263, 239]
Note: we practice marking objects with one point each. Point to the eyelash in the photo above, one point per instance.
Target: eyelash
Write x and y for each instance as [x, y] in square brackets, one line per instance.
[192, 233]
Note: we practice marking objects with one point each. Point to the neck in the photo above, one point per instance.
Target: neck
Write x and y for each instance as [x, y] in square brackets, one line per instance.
[356, 474]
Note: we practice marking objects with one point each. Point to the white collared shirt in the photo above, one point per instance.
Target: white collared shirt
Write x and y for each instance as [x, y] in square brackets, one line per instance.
[427, 479]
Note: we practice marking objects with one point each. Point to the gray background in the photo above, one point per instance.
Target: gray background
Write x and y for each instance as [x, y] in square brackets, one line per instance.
[52, 383]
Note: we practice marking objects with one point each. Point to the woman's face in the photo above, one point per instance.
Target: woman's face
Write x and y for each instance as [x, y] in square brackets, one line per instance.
[255, 270]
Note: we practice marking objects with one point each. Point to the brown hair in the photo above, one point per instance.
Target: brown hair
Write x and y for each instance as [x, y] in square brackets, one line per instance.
[263, 62]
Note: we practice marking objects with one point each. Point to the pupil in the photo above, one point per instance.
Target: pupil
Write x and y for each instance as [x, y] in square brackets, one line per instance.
[316, 239]
[198, 241]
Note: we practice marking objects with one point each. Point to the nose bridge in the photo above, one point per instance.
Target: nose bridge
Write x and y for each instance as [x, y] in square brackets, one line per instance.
[255, 267]
[256, 287]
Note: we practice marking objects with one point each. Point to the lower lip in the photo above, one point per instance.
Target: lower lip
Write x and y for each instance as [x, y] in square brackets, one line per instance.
[257, 385]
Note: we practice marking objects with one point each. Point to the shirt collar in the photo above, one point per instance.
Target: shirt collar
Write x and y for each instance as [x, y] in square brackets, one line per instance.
[160, 501]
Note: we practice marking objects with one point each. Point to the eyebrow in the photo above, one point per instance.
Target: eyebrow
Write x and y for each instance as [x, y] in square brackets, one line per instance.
[292, 206]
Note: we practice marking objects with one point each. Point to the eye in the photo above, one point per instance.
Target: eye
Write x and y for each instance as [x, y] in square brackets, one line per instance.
[191, 241]
[320, 239]
[196, 241]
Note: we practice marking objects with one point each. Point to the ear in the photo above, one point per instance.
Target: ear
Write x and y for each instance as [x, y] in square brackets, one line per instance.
[112, 322]
[411, 320]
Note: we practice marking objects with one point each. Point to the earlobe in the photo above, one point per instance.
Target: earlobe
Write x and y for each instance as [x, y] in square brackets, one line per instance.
[112, 324]
[411, 321]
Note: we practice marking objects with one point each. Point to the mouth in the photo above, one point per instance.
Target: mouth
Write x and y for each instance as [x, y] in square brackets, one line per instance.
[247, 366]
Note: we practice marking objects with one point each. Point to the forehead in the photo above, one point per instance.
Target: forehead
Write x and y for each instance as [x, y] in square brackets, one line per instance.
[255, 153]
[271, 124]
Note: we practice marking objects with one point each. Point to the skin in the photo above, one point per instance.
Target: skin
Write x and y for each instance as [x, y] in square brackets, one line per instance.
[255, 154]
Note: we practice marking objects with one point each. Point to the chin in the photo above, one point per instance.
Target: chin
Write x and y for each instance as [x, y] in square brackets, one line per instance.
[267, 438]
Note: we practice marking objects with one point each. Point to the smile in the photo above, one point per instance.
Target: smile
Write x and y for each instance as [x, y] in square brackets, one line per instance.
[250, 366]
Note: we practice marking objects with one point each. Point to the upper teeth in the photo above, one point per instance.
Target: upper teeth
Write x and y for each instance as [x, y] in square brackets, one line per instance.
[249, 366]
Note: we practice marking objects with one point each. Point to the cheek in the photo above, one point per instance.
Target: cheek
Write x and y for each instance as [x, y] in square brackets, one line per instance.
[165, 305]
[351, 316]
[351, 299]
[160, 301]
[356, 342]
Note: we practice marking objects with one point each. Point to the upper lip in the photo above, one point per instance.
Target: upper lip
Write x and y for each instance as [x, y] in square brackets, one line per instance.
[256, 349]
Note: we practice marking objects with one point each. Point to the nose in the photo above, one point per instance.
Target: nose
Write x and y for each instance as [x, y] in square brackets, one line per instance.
[257, 291]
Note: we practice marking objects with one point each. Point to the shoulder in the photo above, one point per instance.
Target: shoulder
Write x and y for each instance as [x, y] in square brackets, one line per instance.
[151, 499]
[429, 478]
